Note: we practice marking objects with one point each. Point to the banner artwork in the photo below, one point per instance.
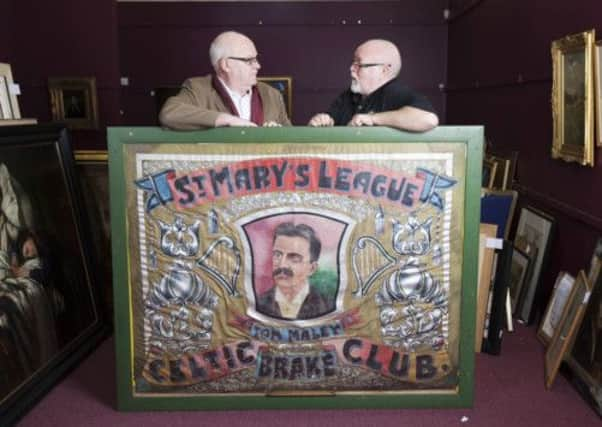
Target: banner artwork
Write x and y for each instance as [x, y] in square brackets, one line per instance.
[294, 267]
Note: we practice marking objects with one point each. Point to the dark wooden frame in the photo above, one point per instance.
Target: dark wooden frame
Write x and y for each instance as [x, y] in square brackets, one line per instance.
[76, 252]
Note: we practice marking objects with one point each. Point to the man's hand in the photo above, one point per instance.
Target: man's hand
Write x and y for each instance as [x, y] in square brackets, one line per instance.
[271, 124]
[321, 120]
[362, 120]
[233, 121]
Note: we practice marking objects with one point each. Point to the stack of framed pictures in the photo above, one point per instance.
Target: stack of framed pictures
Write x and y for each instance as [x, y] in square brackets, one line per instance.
[49, 311]
[533, 240]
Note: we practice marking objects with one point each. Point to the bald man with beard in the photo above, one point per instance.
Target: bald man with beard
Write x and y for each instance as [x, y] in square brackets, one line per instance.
[376, 97]
[230, 97]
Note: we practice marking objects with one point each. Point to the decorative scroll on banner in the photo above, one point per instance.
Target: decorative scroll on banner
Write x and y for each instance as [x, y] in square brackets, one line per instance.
[262, 267]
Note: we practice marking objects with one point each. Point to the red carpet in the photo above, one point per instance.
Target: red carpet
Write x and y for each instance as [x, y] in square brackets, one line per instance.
[509, 392]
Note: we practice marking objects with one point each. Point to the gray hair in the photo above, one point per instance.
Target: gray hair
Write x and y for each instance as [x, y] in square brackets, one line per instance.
[220, 46]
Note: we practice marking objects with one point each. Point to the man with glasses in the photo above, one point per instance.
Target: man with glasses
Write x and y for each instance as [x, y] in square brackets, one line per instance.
[376, 97]
[230, 97]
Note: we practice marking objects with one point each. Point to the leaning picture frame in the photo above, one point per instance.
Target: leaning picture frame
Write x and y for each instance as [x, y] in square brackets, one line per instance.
[534, 234]
[93, 173]
[284, 85]
[570, 321]
[74, 101]
[598, 90]
[519, 273]
[48, 296]
[551, 317]
[211, 262]
[9, 104]
[585, 358]
[573, 98]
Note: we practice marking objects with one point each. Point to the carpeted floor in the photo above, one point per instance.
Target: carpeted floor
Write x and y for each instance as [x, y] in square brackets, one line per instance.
[509, 391]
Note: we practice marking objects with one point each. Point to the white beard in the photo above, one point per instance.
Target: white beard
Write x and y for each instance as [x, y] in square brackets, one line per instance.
[355, 86]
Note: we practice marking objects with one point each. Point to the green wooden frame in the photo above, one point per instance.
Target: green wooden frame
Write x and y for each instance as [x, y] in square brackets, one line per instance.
[122, 138]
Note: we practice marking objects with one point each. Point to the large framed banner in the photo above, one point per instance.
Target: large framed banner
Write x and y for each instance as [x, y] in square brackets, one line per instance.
[260, 268]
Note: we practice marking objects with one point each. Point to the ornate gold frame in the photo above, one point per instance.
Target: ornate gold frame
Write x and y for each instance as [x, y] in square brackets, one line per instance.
[85, 88]
[598, 85]
[570, 147]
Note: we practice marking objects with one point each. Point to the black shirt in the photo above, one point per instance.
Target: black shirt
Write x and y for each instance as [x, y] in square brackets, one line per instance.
[390, 96]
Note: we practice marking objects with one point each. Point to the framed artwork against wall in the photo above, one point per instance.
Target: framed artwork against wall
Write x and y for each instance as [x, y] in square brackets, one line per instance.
[551, 318]
[206, 246]
[598, 90]
[9, 104]
[487, 233]
[74, 101]
[533, 237]
[519, 273]
[284, 85]
[570, 321]
[585, 358]
[49, 309]
[573, 98]
[489, 173]
[93, 173]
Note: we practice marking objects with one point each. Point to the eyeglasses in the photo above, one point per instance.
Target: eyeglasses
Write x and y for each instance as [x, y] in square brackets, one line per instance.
[368, 64]
[252, 60]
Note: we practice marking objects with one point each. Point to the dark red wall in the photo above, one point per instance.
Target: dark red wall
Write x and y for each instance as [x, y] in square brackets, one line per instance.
[161, 44]
[64, 38]
[500, 75]
[6, 30]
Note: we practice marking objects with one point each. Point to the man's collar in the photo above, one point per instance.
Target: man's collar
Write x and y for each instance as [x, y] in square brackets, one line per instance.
[231, 93]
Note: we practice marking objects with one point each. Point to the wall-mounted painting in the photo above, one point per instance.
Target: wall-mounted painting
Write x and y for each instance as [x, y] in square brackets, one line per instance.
[284, 85]
[73, 101]
[573, 98]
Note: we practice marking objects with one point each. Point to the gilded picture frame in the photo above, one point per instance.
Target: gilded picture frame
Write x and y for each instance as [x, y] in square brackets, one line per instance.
[284, 85]
[564, 334]
[74, 101]
[573, 98]
[598, 86]
[9, 104]
[241, 352]
[585, 358]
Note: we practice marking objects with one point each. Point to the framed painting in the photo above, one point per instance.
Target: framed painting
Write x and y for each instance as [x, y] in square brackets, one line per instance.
[264, 267]
[284, 85]
[585, 359]
[487, 244]
[73, 101]
[49, 312]
[573, 98]
[598, 91]
[489, 173]
[533, 237]
[93, 173]
[519, 273]
[567, 327]
[551, 318]
[9, 104]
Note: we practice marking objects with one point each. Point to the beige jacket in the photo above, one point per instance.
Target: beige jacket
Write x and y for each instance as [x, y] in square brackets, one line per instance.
[198, 104]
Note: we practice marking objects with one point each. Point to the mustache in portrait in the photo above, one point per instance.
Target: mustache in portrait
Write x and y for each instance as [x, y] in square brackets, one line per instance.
[282, 270]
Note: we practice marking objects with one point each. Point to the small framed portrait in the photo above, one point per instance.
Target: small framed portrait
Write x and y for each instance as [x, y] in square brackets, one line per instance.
[284, 85]
[73, 101]
[9, 105]
[560, 294]
[573, 98]
[50, 316]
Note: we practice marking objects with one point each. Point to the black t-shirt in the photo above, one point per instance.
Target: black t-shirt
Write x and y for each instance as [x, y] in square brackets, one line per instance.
[390, 96]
